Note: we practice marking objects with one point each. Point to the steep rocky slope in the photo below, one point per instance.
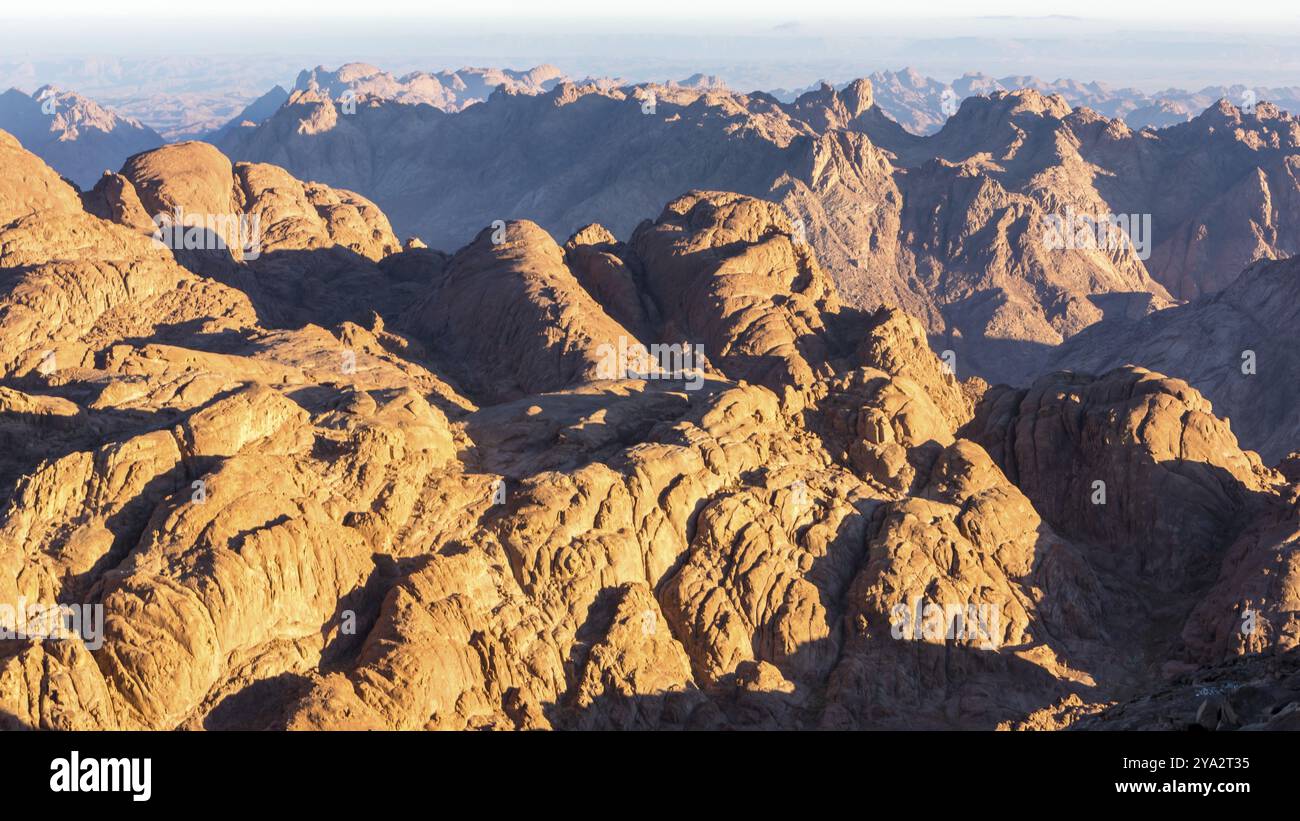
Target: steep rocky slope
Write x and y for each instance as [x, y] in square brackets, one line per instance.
[250, 115]
[1220, 190]
[346, 485]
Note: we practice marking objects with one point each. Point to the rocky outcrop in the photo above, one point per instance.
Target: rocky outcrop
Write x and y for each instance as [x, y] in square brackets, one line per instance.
[1131, 460]
[547, 330]
[968, 609]
[729, 272]
[30, 186]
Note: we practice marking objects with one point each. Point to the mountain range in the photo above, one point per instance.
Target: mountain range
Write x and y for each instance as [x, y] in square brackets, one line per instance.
[949, 227]
[492, 400]
[918, 102]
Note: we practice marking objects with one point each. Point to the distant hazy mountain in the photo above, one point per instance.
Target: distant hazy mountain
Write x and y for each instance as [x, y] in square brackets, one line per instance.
[447, 90]
[254, 113]
[921, 104]
[73, 134]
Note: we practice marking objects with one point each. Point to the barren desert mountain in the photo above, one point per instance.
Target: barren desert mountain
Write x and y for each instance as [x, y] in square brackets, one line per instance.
[672, 481]
[75, 135]
[1220, 190]
[952, 228]
[251, 114]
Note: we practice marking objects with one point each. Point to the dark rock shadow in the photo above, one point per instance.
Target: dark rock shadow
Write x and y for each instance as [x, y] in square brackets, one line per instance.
[262, 705]
[12, 723]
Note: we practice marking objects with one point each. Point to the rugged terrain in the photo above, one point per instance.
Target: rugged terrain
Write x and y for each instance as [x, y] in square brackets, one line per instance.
[333, 480]
[949, 227]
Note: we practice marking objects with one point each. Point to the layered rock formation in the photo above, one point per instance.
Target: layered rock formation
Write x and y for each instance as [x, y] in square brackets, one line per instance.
[346, 484]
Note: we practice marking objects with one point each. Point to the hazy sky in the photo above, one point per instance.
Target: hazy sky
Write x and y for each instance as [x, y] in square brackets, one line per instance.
[751, 44]
[1166, 13]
